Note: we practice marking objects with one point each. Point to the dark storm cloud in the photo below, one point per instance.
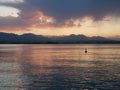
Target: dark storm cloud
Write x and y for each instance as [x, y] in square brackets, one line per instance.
[65, 9]
[61, 10]
[11, 23]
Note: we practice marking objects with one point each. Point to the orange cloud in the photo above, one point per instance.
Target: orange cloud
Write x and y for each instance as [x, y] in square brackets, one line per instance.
[36, 19]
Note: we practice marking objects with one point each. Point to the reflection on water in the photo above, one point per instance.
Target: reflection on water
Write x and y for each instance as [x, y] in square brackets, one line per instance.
[59, 67]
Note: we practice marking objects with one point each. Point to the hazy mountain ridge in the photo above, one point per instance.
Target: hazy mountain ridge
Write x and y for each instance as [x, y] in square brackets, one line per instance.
[117, 38]
[28, 38]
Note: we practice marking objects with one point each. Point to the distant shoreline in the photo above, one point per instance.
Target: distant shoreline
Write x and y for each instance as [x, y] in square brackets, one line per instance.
[9, 38]
[65, 43]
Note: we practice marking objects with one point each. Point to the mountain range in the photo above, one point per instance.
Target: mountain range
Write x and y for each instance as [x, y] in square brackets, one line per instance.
[29, 38]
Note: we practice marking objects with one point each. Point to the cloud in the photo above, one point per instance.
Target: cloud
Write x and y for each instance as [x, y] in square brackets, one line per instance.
[11, 1]
[59, 13]
[8, 11]
[65, 9]
[11, 23]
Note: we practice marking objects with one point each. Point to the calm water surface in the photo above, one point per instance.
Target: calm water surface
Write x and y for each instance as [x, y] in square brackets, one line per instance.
[59, 67]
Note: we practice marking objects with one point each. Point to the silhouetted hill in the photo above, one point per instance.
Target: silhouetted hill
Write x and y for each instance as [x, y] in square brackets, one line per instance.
[25, 38]
[31, 38]
[9, 38]
[117, 38]
[82, 39]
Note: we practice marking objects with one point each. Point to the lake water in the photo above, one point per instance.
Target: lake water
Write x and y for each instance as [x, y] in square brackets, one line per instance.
[60, 67]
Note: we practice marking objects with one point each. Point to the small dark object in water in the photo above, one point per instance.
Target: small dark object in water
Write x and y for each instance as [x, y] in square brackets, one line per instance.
[85, 50]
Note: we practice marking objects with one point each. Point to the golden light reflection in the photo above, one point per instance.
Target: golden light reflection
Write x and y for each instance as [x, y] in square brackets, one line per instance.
[55, 56]
[29, 66]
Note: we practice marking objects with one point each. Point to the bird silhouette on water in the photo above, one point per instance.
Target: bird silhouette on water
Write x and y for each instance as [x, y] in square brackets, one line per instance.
[86, 51]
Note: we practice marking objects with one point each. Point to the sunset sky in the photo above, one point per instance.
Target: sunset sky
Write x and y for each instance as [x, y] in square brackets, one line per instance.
[61, 17]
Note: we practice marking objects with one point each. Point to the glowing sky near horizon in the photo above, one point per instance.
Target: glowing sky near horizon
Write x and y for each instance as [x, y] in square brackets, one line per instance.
[65, 17]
